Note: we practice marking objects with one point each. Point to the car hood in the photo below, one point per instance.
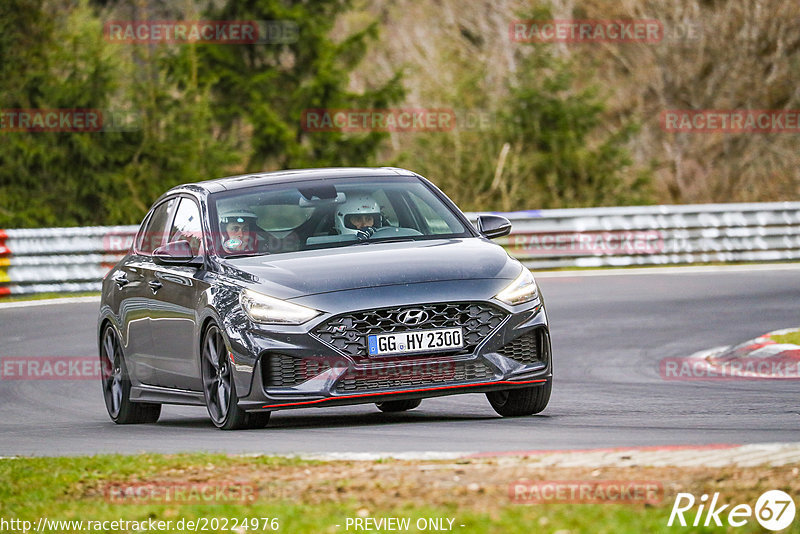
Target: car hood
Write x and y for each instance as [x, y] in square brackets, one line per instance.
[298, 274]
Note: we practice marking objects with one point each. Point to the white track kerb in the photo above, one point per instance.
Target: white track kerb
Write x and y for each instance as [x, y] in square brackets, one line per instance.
[762, 358]
[772, 454]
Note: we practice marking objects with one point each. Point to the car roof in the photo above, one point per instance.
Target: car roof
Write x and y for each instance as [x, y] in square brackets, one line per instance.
[291, 175]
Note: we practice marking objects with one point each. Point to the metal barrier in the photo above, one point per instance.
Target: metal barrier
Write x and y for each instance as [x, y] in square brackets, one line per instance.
[75, 259]
[60, 260]
[655, 235]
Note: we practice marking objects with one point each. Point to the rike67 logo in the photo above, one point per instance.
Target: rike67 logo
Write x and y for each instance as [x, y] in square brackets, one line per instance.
[774, 510]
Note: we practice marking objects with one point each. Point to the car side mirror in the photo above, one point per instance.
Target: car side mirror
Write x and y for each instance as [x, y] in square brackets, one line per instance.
[493, 226]
[177, 253]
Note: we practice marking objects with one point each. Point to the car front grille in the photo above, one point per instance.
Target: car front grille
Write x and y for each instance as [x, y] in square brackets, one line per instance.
[524, 349]
[440, 372]
[280, 370]
[348, 333]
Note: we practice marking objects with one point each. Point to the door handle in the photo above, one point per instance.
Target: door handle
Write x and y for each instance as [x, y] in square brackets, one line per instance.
[121, 280]
[155, 285]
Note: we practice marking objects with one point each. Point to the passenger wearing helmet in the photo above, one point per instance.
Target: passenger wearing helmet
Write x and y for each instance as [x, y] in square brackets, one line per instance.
[359, 216]
[239, 231]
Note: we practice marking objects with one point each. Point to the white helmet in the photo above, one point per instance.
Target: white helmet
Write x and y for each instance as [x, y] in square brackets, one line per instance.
[361, 205]
[238, 216]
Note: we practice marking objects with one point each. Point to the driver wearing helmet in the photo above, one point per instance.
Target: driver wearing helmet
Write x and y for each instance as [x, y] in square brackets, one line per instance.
[359, 216]
[239, 231]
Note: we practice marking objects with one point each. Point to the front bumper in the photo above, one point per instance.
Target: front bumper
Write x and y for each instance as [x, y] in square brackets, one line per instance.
[298, 369]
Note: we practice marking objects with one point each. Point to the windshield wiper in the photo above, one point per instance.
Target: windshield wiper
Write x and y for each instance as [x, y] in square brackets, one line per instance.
[245, 255]
[387, 240]
[393, 240]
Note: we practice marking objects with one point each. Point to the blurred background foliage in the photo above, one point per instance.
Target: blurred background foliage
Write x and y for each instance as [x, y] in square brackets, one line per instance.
[539, 126]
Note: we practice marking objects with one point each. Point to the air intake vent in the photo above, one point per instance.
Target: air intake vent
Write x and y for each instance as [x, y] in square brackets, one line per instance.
[415, 376]
[524, 349]
[280, 370]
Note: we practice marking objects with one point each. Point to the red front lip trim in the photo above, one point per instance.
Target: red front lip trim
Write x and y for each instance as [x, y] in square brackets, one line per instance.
[404, 391]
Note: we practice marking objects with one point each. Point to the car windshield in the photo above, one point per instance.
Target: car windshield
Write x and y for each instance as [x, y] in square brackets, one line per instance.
[308, 215]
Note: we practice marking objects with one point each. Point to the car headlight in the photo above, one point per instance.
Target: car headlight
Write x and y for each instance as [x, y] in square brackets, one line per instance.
[522, 289]
[268, 310]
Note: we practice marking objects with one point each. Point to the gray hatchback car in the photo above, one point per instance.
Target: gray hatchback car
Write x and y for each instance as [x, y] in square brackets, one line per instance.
[313, 288]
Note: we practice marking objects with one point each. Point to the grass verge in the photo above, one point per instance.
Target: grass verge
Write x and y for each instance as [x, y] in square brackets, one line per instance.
[306, 496]
[790, 337]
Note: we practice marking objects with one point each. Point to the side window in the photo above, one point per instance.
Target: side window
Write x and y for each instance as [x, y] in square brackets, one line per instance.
[186, 225]
[151, 236]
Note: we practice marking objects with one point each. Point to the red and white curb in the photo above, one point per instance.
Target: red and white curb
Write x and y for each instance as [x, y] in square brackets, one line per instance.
[764, 347]
[759, 358]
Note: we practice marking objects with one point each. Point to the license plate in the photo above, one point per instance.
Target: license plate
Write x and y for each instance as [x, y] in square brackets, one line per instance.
[415, 341]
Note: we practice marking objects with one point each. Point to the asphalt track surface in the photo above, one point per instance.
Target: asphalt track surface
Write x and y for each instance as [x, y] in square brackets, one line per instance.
[609, 333]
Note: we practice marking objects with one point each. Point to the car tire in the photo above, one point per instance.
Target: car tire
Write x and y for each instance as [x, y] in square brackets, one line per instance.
[219, 387]
[398, 405]
[117, 385]
[522, 401]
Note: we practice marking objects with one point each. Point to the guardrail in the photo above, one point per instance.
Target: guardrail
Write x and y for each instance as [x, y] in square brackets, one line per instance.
[655, 235]
[60, 260]
[75, 259]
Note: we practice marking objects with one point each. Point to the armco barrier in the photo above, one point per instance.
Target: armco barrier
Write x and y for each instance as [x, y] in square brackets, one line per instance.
[655, 235]
[60, 260]
[75, 259]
